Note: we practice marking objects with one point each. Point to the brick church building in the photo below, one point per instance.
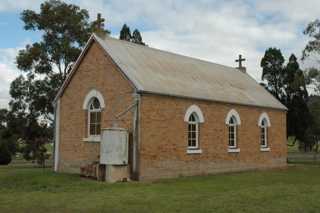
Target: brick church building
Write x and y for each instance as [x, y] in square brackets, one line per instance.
[184, 116]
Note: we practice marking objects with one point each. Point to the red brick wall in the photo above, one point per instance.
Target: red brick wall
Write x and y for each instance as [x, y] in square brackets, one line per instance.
[96, 71]
[163, 141]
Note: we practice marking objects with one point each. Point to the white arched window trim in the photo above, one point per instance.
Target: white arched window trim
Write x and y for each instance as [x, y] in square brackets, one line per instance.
[235, 114]
[93, 94]
[264, 131]
[86, 103]
[266, 117]
[194, 109]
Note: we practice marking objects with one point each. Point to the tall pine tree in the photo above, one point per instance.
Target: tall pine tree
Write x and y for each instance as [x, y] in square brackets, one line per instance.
[298, 117]
[125, 33]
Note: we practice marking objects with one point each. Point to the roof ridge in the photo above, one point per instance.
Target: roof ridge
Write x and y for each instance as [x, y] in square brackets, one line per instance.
[166, 51]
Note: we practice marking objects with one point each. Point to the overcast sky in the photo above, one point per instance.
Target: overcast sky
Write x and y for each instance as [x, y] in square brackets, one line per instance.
[216, 31]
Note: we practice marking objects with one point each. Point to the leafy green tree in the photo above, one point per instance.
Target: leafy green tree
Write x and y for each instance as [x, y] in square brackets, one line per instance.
[288, 85]
[313, 46]
[314, 106]
[45, 64]
[313, 79]
[273, 71]
[296, 98]
[65, 29]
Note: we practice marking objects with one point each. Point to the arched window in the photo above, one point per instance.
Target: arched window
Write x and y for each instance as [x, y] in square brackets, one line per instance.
[264, 123]
[232, 125]
[193, 117]
[193, 131]
[263, 134]
[232, 121]
[94, 117]
[93, 104]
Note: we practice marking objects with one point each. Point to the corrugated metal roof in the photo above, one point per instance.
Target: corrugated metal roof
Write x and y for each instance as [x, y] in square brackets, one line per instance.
[155, 71]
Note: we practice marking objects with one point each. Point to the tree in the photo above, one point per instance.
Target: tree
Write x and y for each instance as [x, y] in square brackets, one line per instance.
[313, 46]
[313, 79]
[287, 84]
[296, 98]
[3, 118]
[5, 155]
[65, 29]
[273, 72]
[314, 128]
[45, 64]
[125, 33]
[137, 38]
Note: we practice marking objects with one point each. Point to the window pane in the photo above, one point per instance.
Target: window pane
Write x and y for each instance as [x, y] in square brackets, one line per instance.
[98, 129]
[92, 117]
[232, 136]
[263, 136]
[92, 129]
[231, 121]
[193, 135]
[96, 103]
[98, 114]
[191, 118]
[193, 127]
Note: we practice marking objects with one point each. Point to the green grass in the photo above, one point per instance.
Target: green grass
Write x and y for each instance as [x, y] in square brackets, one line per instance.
[296, 189]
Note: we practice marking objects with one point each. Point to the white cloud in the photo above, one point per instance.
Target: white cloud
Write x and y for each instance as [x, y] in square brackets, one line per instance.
[8, 72]
[208, 29]
[291, 10]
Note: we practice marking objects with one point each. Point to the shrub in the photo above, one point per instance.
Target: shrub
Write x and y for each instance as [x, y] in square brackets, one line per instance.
[5, 155]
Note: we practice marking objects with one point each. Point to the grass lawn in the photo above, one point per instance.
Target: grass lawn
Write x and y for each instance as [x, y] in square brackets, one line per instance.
[27, 189]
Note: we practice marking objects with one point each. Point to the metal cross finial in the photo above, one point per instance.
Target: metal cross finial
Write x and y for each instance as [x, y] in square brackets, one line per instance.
[240, 60]
[100, 22]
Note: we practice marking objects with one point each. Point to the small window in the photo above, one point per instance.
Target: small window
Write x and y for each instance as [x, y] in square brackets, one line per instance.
[264, 133]
[193, 131]
[94, 117]
[232, 125]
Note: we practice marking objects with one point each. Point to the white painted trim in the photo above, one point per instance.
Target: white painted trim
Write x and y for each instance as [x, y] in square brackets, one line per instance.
[234, 113]
[265, 149]
[94, 139]
[93, 94]
[194, 109]
[194, 151]
[264, 115]
[57, 135]
[230, 150]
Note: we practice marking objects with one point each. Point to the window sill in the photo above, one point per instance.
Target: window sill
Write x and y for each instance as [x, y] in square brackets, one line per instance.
[194, 151]
[265, 149]
[234, 150]
[92, 139]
